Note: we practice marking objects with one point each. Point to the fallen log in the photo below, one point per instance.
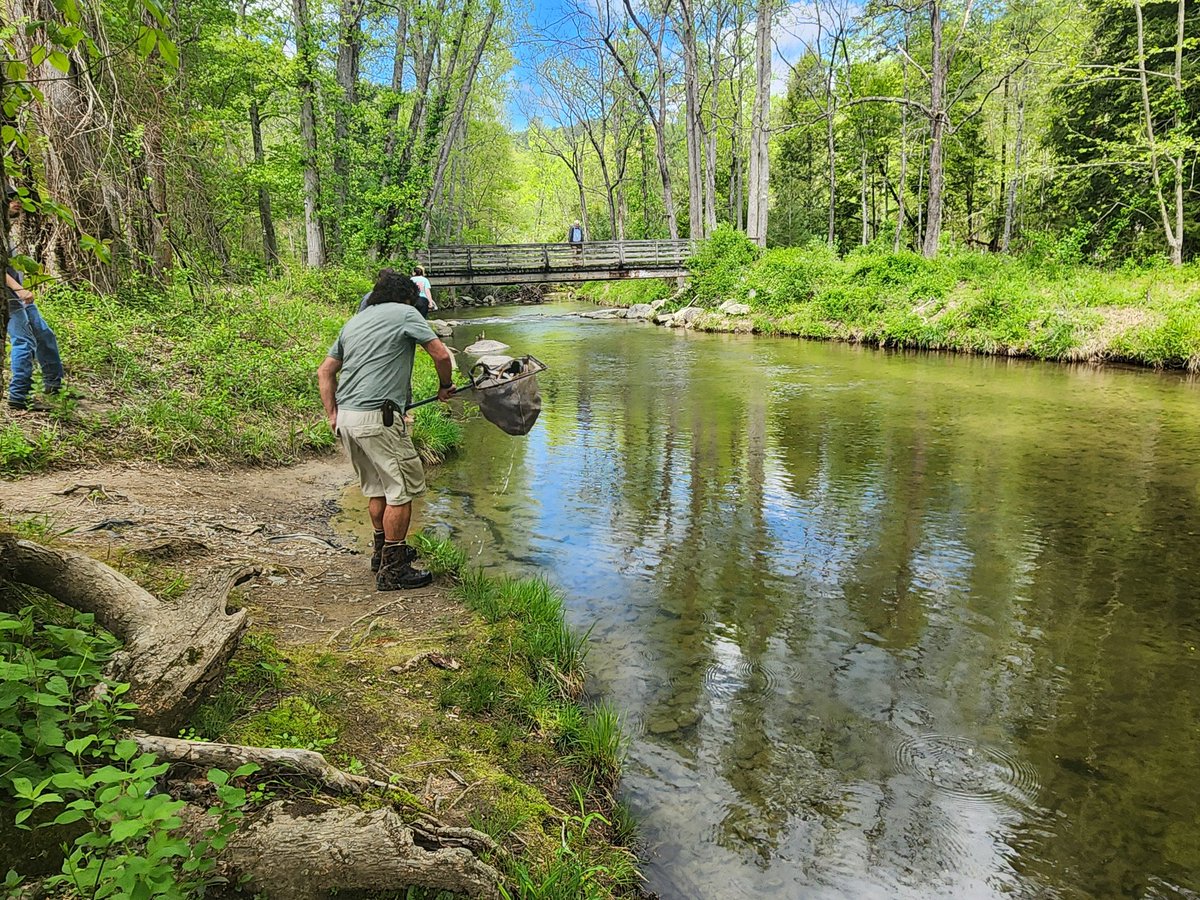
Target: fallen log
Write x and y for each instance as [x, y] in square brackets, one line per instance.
[302, 850]
[172, 650]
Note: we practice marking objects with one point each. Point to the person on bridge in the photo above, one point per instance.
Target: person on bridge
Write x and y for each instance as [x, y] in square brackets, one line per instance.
[368, 369]
[575, 236]
[426, 291]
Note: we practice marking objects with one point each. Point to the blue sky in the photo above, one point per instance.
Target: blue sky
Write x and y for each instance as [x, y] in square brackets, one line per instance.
[536, 25]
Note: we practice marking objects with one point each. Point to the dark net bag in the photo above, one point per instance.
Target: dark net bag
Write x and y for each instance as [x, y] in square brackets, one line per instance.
[507, 392]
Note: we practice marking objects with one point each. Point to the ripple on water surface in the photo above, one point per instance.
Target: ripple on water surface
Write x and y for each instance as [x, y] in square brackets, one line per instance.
[968, 770]
[728, 679]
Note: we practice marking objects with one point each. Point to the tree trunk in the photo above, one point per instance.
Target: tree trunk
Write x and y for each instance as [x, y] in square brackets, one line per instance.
[307, 764]
[735, 137]
[303, 850]
[464, 94]
[1177, 245]
[692, 120]
[270, 246]
[346, 72]
[657, 117]
[760, 129]
[863, 196]
[900, 212]
[314, 230]
[937, 88]
[172, 651]
[1010, 205]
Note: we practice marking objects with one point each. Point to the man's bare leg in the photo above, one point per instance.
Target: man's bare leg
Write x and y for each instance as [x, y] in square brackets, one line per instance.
[376, 506]
[395, 522]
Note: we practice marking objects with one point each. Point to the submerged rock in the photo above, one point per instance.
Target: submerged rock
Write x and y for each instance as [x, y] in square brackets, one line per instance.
[639, 311]
[604, 314]
[484, 347]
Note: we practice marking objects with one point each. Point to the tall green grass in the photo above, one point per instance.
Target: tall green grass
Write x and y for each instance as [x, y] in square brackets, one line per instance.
[541, 678]
[227, 374]
[1045, 303]
[630, 292]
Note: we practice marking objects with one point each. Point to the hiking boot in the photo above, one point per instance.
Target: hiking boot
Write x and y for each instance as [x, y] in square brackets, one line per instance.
[33, 405]
[410, 554]
[396, 572]
[377, 553]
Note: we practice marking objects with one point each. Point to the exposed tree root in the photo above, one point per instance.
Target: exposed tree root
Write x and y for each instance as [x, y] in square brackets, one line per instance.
[306, 763]
[300, 850]
[172, 650]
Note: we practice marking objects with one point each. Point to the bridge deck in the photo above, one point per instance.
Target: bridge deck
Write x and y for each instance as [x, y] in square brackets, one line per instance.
[532, 263]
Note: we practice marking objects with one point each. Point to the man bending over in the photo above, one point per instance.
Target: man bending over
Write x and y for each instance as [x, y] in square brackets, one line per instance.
[368, 365]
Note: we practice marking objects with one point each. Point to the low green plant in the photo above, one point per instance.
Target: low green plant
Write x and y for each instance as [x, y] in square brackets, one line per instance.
[163, 581]
[628, 292]
[579, 868]
[294, 722]
[1047, 304]
[24, 451]
[718, 266]
[63, 763]
[257, 669]
[440, 556]
[597, 744]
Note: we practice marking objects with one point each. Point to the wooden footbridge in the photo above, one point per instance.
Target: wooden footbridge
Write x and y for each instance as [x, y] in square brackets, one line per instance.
[539, 263]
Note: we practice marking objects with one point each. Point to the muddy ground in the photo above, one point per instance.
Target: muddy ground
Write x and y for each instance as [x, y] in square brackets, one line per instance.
[318, 584]
[316, 593]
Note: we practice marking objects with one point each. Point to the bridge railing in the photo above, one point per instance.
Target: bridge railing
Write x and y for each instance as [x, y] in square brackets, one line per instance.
[540, 258]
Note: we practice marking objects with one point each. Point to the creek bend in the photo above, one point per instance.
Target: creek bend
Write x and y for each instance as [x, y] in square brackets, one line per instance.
[878, 624]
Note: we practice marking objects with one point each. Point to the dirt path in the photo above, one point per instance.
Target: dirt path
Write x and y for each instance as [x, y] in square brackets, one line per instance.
[318, 585]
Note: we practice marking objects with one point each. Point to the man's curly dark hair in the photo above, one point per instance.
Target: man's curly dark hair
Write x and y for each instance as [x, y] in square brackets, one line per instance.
[393, 287]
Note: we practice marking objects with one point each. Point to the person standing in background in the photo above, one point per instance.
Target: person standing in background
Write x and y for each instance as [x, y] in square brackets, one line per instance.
[575, 236]
[426, 291]
[32, 339]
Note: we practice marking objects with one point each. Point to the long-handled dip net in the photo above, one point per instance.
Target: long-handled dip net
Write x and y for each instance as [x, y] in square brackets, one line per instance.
[506, 390]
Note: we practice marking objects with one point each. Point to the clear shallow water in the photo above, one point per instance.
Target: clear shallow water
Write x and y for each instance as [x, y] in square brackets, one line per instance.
[880, 625]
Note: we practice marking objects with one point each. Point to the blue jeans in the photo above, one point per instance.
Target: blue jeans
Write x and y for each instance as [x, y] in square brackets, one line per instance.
[31, 339]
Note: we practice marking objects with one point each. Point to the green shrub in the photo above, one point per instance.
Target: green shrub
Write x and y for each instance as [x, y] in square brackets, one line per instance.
[718, 266]
[64, 765]
[629, 292]
[229, 375]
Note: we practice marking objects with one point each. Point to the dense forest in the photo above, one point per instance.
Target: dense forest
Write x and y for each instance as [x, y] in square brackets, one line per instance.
[220, 138]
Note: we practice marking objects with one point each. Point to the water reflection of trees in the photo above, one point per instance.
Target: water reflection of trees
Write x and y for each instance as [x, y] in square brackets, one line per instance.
[838, 550]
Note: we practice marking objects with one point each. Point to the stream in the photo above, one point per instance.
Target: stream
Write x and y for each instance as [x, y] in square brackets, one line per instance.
[878, 624]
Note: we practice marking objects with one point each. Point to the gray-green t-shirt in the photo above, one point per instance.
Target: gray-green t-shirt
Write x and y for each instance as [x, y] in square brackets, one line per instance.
[376, 348]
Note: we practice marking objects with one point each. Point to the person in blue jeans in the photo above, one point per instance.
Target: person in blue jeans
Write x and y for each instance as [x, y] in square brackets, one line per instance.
[28, 332]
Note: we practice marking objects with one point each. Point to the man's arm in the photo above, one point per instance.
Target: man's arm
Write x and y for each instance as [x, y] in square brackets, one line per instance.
[327, 381]
[441, 361]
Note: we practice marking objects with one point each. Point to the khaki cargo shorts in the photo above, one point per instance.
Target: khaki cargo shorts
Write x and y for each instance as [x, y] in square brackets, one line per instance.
[384, 459]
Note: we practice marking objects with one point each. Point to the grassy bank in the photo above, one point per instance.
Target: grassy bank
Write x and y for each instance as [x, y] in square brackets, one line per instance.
[477, 720]
[1044, 304]
[225, 374]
